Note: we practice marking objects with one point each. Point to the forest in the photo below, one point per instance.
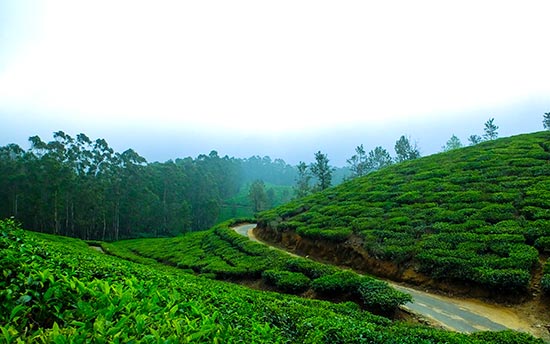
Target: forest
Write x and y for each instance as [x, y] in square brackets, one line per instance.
[81, 187]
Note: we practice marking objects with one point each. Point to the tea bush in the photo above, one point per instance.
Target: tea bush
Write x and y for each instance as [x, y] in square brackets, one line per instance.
[223, 254]
[286, 281]
[57, 290]
[445, 214]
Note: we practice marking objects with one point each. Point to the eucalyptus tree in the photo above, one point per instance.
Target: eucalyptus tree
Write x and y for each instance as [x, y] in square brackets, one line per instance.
[546, 120]
[378, 158]
[405, 150]
[258, 196]
[303, 179]
[452, 143]
[474, 139]
[491, 130]
[321, 171]
[358, 162]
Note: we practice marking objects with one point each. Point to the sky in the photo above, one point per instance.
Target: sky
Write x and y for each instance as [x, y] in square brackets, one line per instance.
[280, 78]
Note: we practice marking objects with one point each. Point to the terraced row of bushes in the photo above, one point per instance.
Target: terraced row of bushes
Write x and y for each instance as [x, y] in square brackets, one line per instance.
[478, 214]
[223, 254]
[57, 290]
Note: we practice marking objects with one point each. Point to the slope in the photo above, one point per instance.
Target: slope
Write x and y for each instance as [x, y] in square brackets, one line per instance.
[56, 289]
[476, 219]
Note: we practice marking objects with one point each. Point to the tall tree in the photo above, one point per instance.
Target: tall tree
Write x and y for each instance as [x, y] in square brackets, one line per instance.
[358, 162]
[404, 150]
[490, 129]
[322, 171]
[378, 158]
[546, 120]
[452, 143]
[258, 196]
[475, 139]
[303, 178]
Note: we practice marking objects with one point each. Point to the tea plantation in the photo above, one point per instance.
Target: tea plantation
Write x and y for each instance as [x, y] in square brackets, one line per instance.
[478, 215]
[223, 254]
[57, 290]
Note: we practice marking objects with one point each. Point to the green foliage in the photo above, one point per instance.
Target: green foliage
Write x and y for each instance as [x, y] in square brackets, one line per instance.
[476, 214]
[338, 283]
[545, 281]
[335, 234]
[287, 281]
[258, 196]
[321, 170]
[490, 129]
[404, 150]
[453, 143]
[56, 290]
[310, 268]
[543, 244]
[546, 120]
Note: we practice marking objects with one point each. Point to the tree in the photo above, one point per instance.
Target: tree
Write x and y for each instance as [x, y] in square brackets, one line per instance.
[404, 150]
[358, 162]
[474, 139]
[258, 196]
[453, 143]
[491, 132]
[378, 158]
[322, 171]
[546, 120]
[302, 187]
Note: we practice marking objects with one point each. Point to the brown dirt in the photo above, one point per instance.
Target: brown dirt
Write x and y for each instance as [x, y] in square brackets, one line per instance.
[527, 312]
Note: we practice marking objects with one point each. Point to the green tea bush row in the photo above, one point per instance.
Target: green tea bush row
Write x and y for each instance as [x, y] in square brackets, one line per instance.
[221, 253]
[287, 281]
[49, 294]
[373, 294]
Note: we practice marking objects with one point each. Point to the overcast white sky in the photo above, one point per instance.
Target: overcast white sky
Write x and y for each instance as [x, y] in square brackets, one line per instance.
[279, 78]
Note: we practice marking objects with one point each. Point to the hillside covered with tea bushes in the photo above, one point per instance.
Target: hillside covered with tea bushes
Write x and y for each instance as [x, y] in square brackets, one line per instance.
[57, 290]
[478, 214]
[223, 254]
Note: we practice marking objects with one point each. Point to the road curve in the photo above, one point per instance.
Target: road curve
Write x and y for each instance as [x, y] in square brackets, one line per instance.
[453, 314]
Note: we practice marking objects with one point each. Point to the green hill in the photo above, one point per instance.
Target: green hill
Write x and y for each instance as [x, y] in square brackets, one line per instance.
[477, 216]
[57, 290]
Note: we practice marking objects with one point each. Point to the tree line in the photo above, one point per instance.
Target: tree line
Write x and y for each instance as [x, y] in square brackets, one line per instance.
[80, 187]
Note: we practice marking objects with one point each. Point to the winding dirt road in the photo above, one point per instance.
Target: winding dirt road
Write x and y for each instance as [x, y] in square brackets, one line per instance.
[462, 315]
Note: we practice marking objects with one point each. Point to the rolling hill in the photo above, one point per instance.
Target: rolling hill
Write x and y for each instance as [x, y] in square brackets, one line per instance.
[475, 219]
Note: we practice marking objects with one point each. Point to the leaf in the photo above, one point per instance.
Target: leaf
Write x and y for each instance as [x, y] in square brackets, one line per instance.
[24, 299]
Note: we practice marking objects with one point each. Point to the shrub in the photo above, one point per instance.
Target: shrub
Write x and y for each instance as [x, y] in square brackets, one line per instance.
[336, 235]
[509, 279]
[378, 294]
[287, 281]
[545, 283]
[309, 268]
[497, 212]
[337, 283]
[543, 244]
